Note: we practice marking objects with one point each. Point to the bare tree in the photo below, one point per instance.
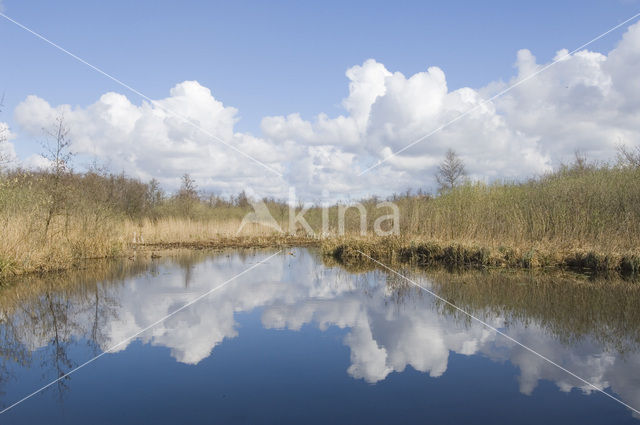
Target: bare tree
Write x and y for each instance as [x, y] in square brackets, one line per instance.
[57, 149]
[154, 192]
[629, 157]
[242, 200]
[450, 171]
[188, 188]
[187, 195]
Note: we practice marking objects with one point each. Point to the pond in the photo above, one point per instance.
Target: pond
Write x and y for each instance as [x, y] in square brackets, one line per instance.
[296, 340]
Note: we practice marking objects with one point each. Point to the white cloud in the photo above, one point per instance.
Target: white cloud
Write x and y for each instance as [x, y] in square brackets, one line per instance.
[398, 111]
[588, 101]
[37, 162]
[7, 151]
[145, 141]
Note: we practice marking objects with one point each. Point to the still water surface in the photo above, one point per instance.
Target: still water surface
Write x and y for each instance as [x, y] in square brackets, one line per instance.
[298, 341]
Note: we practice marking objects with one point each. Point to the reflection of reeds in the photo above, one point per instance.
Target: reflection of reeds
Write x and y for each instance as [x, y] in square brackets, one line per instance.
[404, 250]
[607, 310]
[55, 309]
[571, 307]
[17, 292]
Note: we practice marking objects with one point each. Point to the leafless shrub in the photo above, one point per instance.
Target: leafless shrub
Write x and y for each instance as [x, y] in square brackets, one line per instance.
[580, 161]
[629, 157]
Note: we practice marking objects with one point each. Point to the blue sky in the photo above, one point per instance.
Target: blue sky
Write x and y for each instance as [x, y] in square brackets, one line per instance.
[283, 56]
[277, 58]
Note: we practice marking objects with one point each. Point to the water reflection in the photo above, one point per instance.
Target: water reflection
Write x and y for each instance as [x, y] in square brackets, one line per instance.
[591, 329]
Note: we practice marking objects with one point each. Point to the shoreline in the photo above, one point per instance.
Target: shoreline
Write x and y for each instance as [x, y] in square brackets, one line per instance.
[452, 254]
[393, 250]
[274, 241]
[161, 248]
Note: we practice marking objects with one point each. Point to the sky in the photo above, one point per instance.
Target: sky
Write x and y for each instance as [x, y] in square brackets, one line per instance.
[320, 92]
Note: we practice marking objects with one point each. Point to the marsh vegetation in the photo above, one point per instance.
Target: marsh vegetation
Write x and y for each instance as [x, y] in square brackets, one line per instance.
[583, 215]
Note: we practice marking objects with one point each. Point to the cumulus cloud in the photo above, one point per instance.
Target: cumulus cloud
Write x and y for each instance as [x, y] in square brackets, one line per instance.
[37, 162]
[148, 141]
[588, 101]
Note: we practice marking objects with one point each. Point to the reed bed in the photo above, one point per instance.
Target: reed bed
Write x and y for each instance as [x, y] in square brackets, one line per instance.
[25, 248]
[597, 207]
[579, 217]
[584, 218]
[186, 233]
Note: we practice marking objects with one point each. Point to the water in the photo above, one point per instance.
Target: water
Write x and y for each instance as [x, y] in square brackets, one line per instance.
[297, 341]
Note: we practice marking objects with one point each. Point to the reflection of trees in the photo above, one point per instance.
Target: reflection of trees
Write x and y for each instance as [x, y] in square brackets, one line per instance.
[187, 260]
[59, 323]
[101, 306]
[55, 312]
[11, 347]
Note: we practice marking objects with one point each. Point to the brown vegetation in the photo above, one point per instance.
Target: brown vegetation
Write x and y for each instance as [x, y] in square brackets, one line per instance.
[584, 216]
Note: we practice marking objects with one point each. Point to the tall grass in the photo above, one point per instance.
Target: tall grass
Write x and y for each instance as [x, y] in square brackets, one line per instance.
[579, 215]
[37, 237]
[583, 217]
[594, 207]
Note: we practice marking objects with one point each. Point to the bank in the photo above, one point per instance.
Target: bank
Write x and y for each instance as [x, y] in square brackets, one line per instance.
[425, 253]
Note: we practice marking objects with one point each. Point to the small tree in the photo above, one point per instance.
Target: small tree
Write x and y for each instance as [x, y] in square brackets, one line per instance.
[188, 194]
[450, 171]
[155, 195]
[188, 189]
[57, 149]
[242, 200]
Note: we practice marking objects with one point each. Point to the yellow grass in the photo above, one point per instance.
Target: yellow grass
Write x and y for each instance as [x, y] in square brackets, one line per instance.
[576, 217]
[24, 247]
[175, 229]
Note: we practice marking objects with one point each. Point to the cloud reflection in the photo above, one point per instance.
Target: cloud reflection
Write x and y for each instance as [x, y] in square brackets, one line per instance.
[388, 327]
